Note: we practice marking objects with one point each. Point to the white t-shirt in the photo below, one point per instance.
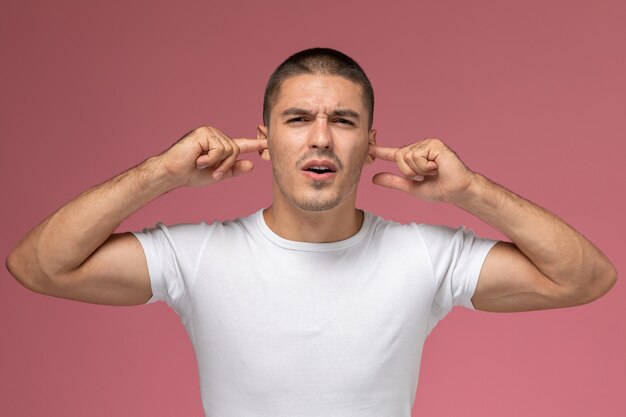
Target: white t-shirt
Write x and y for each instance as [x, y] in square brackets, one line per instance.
[295, 329]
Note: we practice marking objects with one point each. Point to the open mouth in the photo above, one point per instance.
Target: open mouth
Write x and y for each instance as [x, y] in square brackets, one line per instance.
[319, 169]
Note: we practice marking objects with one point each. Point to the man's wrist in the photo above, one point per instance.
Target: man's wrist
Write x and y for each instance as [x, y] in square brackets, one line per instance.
[479, 195]
[153, 177]
[469, 192]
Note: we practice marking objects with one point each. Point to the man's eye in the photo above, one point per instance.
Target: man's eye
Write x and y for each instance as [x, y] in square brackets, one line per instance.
[344, 121]
[295, 120]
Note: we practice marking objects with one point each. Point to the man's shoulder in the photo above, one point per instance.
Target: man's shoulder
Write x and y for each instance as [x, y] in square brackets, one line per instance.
[380, 225]
[386, 230]
[206, 226]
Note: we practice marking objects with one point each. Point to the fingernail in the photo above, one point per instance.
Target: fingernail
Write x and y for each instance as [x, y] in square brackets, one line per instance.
[418, 178]
[217, 175]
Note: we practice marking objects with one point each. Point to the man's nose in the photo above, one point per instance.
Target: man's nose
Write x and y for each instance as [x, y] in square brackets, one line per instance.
[320, 135]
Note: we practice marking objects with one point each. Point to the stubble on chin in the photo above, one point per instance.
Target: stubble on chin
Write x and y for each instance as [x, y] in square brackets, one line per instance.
[318, 201]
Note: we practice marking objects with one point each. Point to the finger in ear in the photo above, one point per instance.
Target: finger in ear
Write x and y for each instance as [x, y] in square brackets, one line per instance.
[262, 132]
[265, 155]
[371, 139]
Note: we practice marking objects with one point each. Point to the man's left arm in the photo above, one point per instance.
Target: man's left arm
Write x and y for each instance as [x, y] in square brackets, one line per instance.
[547, 264]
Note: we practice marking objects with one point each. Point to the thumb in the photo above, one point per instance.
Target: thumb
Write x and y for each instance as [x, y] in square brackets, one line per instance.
[396, 182]
[239, 168]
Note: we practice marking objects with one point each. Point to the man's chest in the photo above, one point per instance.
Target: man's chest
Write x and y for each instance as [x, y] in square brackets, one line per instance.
[308, 320]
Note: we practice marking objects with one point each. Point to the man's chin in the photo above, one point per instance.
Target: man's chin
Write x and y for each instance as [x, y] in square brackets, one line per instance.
[317, 203]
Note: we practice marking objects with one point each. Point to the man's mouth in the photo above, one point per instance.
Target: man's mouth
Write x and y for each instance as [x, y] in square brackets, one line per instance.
[319, 170]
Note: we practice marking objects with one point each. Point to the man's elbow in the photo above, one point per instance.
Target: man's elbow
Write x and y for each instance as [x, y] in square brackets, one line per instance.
[598, 284]
[609, 279]
[18, 266]
[15, 267]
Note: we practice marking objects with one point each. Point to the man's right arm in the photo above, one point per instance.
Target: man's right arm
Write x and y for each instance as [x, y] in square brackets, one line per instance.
[74, 253]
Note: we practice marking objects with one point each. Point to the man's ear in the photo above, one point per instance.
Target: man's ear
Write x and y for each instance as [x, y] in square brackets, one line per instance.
[372, 141]
[262, 132]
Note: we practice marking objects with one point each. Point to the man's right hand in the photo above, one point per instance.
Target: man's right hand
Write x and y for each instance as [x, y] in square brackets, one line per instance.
[206, 155]
[74, 253]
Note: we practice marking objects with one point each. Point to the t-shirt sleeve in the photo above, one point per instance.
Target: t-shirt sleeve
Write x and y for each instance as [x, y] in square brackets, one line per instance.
[457, 256]
[172, 255]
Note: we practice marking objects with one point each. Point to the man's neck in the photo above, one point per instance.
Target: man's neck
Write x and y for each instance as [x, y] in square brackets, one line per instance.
[294, 223]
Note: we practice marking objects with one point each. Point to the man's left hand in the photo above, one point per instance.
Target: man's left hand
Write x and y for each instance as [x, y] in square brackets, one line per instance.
[431, 170]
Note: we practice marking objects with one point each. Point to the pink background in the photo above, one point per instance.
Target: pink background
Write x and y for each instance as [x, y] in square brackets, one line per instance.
[531, 94]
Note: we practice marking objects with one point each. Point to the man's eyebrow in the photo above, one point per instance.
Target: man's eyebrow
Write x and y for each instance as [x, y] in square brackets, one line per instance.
[346, 113]
[291, 111]
[297, 111]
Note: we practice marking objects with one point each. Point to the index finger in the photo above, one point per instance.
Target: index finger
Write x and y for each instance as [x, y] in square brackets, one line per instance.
[250, 145]
[388, 154]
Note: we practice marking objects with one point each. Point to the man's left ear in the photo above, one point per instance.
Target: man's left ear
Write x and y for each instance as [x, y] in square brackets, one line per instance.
[262, 133]
[372, 141]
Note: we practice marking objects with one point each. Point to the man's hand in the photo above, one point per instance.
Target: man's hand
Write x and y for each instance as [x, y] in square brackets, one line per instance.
[432, 171]
[206, 155]
[74, 253]
[547, 265]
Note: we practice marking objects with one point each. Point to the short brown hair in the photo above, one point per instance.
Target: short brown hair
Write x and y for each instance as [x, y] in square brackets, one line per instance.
[318, 61]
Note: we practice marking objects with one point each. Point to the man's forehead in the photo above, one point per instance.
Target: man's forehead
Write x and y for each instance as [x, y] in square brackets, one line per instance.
[314, 90]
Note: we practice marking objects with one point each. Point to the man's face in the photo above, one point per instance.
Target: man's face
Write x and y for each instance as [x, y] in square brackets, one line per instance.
[318, 141]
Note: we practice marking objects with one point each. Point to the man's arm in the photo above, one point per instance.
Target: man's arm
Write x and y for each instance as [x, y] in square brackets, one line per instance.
[547, 265]
[74, 254]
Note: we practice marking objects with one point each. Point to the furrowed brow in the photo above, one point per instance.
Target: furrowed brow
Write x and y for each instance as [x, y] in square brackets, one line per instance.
[296, 111]
[346, 113]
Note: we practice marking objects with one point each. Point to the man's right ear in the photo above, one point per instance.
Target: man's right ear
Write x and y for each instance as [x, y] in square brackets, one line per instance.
[372, 141]
[262, 132]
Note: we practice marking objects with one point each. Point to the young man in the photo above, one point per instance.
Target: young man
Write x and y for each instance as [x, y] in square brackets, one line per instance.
[310, 307]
